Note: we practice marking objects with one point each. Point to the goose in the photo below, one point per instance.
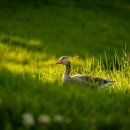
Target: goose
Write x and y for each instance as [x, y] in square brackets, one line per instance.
[81, 78]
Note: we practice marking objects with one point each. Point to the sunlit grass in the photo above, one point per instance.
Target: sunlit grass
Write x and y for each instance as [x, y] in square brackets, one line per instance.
[36, 81]
[33, 37]
[20, 60]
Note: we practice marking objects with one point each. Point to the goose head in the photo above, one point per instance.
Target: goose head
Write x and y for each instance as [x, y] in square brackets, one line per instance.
[63, 60]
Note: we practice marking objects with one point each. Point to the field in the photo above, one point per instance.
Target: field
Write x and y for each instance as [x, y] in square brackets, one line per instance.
[95, 36]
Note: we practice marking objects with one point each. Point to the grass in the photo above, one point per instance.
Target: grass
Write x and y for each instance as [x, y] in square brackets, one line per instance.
[30, 83]
[70, 25]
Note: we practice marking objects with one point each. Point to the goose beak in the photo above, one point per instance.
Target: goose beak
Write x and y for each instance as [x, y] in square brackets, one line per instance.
[58, 62]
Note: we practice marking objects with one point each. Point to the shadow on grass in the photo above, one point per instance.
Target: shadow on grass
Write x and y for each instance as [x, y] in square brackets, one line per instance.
[78, 35]
[20, 93]
[108, 4]
[32, 45]
[79, 107]
[114, 63]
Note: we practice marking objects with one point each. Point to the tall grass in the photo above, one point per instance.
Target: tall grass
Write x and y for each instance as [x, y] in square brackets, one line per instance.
[32, 96]
[30, 85]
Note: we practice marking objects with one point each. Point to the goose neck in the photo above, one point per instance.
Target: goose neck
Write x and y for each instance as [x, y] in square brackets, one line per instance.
[68, 69]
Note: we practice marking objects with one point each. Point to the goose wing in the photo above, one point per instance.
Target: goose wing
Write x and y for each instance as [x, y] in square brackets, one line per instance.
[92, 80]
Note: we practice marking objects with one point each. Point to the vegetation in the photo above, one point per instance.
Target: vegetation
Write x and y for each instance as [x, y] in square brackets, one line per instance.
[94, 34]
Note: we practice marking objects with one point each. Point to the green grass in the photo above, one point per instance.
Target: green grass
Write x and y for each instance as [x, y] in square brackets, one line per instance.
[54, 26]
[33, 37]
[32, 84]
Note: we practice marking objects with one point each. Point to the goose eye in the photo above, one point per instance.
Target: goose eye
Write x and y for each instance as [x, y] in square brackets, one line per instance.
[63, 58]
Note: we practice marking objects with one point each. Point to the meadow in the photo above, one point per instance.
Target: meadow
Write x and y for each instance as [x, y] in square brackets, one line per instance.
[33, 35]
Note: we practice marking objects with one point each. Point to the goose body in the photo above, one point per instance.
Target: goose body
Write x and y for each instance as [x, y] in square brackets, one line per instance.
[81, 78]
